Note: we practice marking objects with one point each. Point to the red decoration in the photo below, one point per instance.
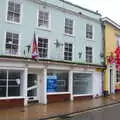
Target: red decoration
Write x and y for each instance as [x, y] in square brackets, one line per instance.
[34, 48]
[111, 59]
[117, 60]
[114, 58]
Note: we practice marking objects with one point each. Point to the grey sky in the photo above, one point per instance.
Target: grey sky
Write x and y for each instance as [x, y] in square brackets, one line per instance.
[109, 8]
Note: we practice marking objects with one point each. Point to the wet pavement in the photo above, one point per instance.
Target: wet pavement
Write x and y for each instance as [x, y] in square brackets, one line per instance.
[40, 111]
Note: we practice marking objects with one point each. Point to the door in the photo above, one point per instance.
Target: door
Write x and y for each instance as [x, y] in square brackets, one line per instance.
[32, 87]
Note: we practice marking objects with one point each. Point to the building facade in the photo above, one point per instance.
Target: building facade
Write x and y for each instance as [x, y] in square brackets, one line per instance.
[112, 41]
[70, 46]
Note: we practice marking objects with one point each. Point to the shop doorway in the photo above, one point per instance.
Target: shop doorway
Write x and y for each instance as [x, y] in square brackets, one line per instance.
[33, 88]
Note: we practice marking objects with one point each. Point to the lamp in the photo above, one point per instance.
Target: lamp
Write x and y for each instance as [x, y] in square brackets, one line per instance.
[57, 43]
[80, 54]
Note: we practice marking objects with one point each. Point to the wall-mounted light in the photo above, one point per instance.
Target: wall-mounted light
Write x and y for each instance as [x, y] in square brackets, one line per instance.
[101, 55]
[80, 54]
[57, 43]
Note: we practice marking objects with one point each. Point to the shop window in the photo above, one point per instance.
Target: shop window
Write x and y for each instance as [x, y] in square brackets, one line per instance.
[82, 83]
[61, 82]
[9, 83]
[3, 83]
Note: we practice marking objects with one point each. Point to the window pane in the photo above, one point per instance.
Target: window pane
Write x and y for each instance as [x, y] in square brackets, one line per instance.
[82, 83]
[12, 43]
[10, 16]
[13, 91]
[43, 19]
[3, 82]
[17, 8]
[11, 6]
[68, 26]
[13, 75]
[13, 12]
[43, 47]
[62, 83]
[89, 54]
[14, 83]
[32, 93]
[68, 52]
[89, 31]
[32, 80]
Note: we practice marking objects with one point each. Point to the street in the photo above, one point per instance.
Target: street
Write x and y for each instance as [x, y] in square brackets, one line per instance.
[111, 112]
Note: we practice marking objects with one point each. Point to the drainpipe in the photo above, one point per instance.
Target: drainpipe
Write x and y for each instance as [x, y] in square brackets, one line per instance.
[105, 92]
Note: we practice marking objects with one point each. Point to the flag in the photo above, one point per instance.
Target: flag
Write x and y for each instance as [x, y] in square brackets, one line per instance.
[34, 48]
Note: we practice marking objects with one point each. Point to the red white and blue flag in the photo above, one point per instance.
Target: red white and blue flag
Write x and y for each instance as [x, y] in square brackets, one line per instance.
[34, 48]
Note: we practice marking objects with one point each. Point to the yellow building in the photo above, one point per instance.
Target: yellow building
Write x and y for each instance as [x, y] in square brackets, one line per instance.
[111, 41]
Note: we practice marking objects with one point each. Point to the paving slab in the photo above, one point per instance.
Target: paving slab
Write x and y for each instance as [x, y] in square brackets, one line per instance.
[55, 110]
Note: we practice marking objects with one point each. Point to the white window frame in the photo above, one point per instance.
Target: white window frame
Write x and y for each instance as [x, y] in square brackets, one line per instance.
[49, 20]
[86, 54]
[92, 31]
[72, 27]
[117, 40]
[117, 75]
[19, 42]
[7, 86]
[67, 51]
[47, 47]
[21, 11]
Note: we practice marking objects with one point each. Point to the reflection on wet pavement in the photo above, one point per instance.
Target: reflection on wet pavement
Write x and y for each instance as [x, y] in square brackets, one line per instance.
[38, 111]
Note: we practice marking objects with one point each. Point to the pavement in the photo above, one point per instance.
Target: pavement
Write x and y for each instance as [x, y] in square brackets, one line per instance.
[53, 110]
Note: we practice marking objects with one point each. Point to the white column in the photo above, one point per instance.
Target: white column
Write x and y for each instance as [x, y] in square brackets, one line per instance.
[45, 86]
[113, 78]
[71, 85]
[25, 86]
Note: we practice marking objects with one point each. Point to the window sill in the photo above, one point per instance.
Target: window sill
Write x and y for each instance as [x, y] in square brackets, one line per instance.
[11, 22]
[92, 40]
[56, 93]
[13, 55]
[70, 35]
[8, 98]
[82, 95]
[45, 29]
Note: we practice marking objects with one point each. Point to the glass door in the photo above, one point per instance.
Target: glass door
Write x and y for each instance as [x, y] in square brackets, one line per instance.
[32, 90]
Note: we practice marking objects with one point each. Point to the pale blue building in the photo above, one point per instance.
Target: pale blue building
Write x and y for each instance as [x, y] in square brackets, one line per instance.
[70, 48]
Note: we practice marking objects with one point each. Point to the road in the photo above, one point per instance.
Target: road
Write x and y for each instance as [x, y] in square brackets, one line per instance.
[111, 112]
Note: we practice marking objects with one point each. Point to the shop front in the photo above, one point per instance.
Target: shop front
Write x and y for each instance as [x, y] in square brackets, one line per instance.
[87, 84]
[57, 86]
[23, 82]
[11, 88]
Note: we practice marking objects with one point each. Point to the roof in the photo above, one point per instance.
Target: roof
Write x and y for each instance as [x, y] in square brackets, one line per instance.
[80, 7]
[108, 20]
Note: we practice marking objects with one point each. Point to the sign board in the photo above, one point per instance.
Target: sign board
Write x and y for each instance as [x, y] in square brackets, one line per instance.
[51, 83]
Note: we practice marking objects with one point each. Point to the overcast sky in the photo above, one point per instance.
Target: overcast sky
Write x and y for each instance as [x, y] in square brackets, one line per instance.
[108, 8]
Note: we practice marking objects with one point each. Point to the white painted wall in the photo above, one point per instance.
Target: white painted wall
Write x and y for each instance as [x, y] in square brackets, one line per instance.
[97, 84]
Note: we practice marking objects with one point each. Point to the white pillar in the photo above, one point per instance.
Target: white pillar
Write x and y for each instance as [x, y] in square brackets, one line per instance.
[71, 85]
[45, 86]
[113, 78]
[25, 86]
